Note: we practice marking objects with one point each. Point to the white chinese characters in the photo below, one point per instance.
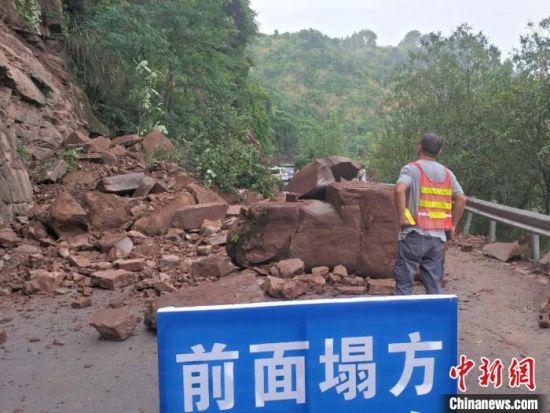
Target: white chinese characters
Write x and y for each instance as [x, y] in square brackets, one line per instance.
[356, 370]
[411, 362]
[279, 377]
[196, 377]
[348, 365]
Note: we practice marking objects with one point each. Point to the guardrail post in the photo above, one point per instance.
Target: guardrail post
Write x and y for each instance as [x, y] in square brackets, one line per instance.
[468, 223]
[535, 246]
[493, 229]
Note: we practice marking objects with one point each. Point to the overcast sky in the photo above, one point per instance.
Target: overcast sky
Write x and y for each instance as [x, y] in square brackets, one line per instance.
[501, 20]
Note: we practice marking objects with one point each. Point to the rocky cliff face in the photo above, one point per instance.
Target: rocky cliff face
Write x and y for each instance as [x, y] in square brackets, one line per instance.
[40, 106]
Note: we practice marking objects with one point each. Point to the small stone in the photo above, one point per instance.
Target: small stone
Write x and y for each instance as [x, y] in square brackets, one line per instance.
[113, 279]
[137, 264]
[322, 271]
[213, 266]
[273, 286]
[293, 289]
[209, 227]
[216, 240]
[64, 252]
[169, 261]
[204, 250]
[164, 286]
[79, 261]
[315, 282]
[544, 320]
[175, 234]
[34, 339]
[58, 342]
[3, 336]
[340, 270]
[353, 281]
[351, 290]
[290, 267]
[114, 324]
[9, 239]
[82, 302]
[234, 210]
[87, 291]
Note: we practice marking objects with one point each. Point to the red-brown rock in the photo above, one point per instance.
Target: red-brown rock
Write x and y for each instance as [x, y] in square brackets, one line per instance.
[113, 279]
[122, 184]
[215, 266]
[3, 336]
[107, 212]
[311, 181]
[203, 195]
[290, 267]
[157, 142]
[66, 217]
[233, 289]
[161, 221]
[42, 281]
[81, 302]
[503, 251]
[355, 227]
[352, 290]
[136, 264]
[193, 216]
[9, 239]
[293, 289]
[115, 324]
[127, 140]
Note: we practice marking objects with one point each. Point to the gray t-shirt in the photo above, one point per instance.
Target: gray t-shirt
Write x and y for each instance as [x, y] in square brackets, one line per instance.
[410, 177]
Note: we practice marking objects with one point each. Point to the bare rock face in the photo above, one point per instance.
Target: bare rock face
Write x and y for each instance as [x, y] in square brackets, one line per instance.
[15, 186]
[503, 251]
[355, 227]
[233, 289]
[116, 324]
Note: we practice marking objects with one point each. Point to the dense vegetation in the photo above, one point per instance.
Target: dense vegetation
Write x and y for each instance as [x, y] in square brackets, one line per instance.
[351, 97]
[180, 66]
[199, 70]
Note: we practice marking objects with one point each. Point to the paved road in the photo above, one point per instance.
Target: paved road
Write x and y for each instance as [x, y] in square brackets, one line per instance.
[86, 375]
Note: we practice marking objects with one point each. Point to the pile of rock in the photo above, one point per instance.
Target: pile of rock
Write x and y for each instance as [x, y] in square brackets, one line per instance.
[353, 224]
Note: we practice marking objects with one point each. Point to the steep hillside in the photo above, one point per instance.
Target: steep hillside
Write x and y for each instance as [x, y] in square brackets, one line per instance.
[40, 106]
[324, 90]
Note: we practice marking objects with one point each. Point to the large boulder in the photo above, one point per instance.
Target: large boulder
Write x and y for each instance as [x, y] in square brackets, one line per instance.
[161, 221]
[312, 180]
[356, 227]
[66, 217]
[233, 289]
[107, 211]
[157, 142]
[121, 184]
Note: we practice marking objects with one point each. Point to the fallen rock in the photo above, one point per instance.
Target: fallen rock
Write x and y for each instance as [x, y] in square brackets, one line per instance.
[115, 324]
[3, 336]
[161, 221]
[233, 289]
[122, 184]
[203, 195]
[118, 241]
[209, 227]
[340, 271]
[84, 179]
[113, 279]
[9, 239]
[54, 173]
[353, 281]
[42, 281]
[169, 261]
[381, 287]
[321, 271]
[273, 286]
[98, 144]
[82, 302]
[234, 210]
[193, 216]
[155, 141]
[316, 283]
[293, 289]
[76, 138]
[146, 185]
[351, 290]
[217, 240]
[215, 266]
[545, 261]
[136, 264]
[342, 167]
[290, 267]
[127, 140]
[311, 181]
[66, 217]
[107, 212]
[503, 251]
[79, 261]
[204, 250]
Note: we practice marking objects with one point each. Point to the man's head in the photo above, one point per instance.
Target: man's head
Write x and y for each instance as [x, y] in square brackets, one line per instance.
[430, 145]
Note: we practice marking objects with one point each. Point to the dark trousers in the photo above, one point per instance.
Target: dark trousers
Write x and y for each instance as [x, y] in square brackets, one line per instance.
[419, 252]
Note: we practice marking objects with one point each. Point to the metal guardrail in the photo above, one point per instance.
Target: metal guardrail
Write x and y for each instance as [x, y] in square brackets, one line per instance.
[532, 222]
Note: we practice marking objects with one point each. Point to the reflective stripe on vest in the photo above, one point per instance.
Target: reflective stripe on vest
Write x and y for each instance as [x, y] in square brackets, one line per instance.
[435, 203]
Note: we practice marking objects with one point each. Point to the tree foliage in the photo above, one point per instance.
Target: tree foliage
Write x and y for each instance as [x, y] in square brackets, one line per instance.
[181, 65]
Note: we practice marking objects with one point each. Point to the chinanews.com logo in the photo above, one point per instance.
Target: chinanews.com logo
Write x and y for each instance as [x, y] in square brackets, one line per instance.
[518, 374]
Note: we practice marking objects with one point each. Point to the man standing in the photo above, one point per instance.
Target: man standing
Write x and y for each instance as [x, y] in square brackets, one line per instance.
[429, 202]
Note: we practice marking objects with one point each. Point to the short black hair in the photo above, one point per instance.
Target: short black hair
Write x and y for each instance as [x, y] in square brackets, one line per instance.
[431, 144]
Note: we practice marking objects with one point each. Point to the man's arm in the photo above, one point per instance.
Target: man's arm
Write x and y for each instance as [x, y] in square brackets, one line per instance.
[401, 203]
[458, 207]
